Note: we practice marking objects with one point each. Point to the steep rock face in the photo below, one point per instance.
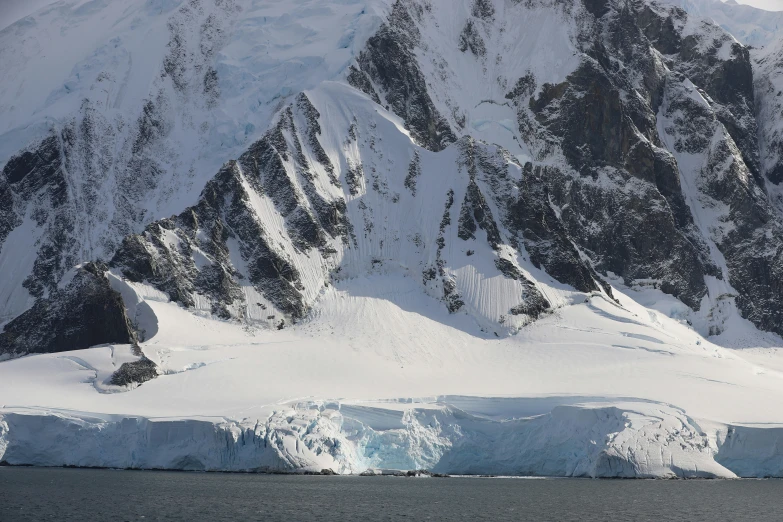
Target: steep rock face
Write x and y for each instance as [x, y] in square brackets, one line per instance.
[273, 227]
[390, 63]
[85, 312]
[768, 81]
[625, 208]
[714, 60]
[33, 188]
[482, 160]
[619, 195]
[545, 236]
[732, 210]
[103, 173]
[223, 255]
[188, 256]
[31, 175]
[61, 182]
[720, 124]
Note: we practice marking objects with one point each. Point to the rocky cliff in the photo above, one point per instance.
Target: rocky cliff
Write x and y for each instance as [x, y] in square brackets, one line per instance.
[510, 156]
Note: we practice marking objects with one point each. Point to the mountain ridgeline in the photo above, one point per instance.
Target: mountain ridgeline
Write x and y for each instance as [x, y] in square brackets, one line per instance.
[509, 155]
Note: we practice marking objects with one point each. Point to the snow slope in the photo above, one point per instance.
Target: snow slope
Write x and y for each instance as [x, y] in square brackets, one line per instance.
[130, 91]
[59, 55]
[383, 378]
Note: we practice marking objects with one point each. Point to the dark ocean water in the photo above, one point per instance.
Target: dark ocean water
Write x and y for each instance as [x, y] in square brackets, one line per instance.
[80, 494]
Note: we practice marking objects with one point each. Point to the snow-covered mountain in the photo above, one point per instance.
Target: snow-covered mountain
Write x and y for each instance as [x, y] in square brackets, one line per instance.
[416, 194]
[748, 24]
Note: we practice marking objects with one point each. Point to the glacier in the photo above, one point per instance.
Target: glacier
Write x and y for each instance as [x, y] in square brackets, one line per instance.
[543, 402]
[626, 440]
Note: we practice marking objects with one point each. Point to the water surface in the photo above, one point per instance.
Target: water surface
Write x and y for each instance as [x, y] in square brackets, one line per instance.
[83, 494]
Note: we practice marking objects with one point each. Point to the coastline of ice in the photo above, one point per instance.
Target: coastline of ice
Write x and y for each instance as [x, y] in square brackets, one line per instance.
[546, 402]
[623, 440]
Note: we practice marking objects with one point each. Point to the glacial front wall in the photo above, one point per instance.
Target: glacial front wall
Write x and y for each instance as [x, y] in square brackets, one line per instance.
[643, 440]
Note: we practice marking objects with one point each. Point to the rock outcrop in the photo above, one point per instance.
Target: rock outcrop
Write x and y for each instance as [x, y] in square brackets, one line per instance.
[84, 312]
[650, 155]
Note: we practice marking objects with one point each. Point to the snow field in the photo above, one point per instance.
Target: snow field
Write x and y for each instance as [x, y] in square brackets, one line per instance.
[383, 377]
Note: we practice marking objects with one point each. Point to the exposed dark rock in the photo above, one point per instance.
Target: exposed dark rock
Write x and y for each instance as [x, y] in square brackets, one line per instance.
[747, 233]
[589, 116]
[438, 274]
[263, 165]
[509, 269]
[544, 235]
[662, 31]
[389, 61]
[211, 87]
[86, 186]
[470, 38]
[85, 313]
[525, 87]
[626, 210]
[330, 215]
[100, 174]
[475, 210]
[603, 193]
[359, 80]
[223, 213]
[136, 372]
[312, 131]
[32, 170]
[36, 178]
[483, 9]
[533, 302]
[151, 127]
[597, 8]
[769, 104]
[631, 232]
[730, 84]
[700, 56]
[452, 299]
[414, 171]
